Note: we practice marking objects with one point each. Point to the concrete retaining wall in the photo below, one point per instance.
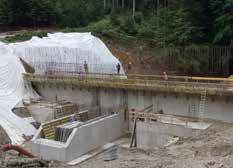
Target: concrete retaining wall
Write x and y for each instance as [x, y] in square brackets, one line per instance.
[218, 108]
[82, 140]
[155, 134]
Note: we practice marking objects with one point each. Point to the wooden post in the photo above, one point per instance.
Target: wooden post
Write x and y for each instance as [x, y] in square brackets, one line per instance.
[133, 137]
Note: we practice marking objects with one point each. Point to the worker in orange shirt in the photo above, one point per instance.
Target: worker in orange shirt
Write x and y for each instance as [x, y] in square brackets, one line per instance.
[129, 66]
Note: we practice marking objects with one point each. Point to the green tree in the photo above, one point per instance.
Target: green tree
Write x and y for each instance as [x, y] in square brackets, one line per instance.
[4, 13]
[42, 12]
[170, 27]
[223, 21]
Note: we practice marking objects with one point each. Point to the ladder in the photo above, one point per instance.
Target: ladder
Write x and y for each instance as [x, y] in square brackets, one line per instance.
[202, 107]
[193, 109]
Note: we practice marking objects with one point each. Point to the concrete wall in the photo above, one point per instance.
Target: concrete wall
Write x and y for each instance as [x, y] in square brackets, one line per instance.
[151, 135]
[82, 140]
[41, 113]
[75, 95]
[219, 107]
[109, 100]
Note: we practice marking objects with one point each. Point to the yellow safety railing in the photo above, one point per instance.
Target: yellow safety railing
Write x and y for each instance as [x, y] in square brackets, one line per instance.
[139, 82]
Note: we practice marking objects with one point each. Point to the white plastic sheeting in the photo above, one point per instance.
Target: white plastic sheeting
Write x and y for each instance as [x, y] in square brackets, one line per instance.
[57, 52]
[12, 91]
[67, 52]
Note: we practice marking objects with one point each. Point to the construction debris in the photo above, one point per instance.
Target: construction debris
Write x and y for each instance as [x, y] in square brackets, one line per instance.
[24, 163]
[111, 153]
[4, 139]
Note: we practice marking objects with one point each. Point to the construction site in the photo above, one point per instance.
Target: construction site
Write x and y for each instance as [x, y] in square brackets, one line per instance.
[67, 101]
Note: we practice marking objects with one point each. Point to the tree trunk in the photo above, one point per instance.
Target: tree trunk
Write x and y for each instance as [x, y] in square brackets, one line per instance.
[123, 4]
[158, 4]
[133, 8]
[104, 4]
[113, 6]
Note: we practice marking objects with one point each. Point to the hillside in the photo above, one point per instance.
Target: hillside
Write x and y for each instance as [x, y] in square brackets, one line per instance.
[182, 37]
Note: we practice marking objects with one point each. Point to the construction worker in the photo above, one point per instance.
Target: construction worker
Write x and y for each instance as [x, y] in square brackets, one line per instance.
[129, 66]
[86, 67]
[118, 68]
[165, 76]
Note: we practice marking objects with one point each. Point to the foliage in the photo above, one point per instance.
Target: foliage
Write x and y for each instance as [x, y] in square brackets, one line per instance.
[24, 36]
[169, 27]
[73, 13]
[37, 13]
[26, 12]
[178, 22]
[223, 22]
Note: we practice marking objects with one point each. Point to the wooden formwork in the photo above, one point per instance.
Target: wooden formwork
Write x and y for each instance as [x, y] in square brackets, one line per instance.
[49, 128]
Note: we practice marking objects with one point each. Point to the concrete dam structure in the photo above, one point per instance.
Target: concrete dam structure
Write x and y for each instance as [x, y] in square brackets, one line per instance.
[85, 106]
[87, 100]
[155, 110]
[204, 98]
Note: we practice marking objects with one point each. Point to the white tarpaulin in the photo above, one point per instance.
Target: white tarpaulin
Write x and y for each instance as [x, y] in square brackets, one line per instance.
[59, 51]
[12, 91]
[68, 52]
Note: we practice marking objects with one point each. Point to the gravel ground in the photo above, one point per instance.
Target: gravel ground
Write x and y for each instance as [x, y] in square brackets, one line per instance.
[11, 159]
[213, 148]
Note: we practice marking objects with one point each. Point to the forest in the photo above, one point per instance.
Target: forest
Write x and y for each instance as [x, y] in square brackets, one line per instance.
[195, 34]
[170, 22]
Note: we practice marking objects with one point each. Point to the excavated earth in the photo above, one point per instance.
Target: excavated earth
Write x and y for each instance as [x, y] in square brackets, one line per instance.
[11, 159]
[213, 148]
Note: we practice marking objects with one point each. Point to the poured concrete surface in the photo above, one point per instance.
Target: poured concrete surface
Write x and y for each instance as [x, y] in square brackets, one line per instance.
[42, 112]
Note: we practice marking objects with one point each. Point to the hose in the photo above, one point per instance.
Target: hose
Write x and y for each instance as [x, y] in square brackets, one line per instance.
[17, 148]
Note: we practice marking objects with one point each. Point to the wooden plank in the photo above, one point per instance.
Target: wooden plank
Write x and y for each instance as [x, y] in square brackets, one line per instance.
[133, 137]
[90, 155]
[50, 127]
